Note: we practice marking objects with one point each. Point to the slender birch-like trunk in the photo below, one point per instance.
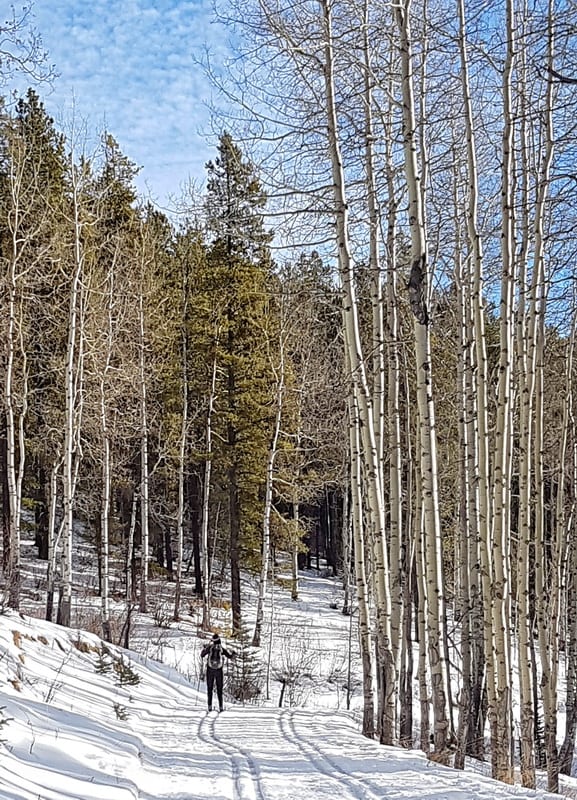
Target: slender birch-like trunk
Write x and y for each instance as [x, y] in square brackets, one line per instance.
[526, 318]
[419, 298]
[463, 564]
[569, 423]
[361, 581]
[482, 462]
[130, 575]
[376, 285]
[268, 496]
[53, 537]
[72, 391]
[106, 474]
[206, 498]
[372, 466]
[399, 577]
[547, 588]
[500, 714]
[144, 467]
[181, 475]
[296, 528]
[15, 415]
[16, 367]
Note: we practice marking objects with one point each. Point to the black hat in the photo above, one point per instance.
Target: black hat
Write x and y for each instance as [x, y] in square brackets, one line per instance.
[215, 637]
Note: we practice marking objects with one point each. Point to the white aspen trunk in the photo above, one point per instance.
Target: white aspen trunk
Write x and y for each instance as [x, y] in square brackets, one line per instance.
[418, 290]
[53, 537]
[501, 714]
[72, 393]
[378, 353]
[526, 389]
[106, 464]
[483, 461]
[181, 469]
[360, 567]
[130, 595]
[15, 440]
[144, 470]
[295, 546]
[268, 497]
[348, 566]
[569, 424]
[422, 625]
[15, 408]
[206, 583]
[549, 603]
[547, 591]
[463, 563]
[372, 466]
[394, 442]
[104, 524]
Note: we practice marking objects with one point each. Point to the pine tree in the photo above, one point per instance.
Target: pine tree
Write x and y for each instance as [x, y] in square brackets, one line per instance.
[239, 270]
[32, 190]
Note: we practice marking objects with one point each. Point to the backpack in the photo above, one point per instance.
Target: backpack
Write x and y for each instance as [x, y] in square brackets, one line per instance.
[215, 658]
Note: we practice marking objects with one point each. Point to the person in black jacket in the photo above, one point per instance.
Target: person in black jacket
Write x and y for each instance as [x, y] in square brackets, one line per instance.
[216, 654]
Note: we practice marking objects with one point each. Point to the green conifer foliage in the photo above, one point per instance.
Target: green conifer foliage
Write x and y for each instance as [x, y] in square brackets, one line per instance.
[238, 278]
[32, 200]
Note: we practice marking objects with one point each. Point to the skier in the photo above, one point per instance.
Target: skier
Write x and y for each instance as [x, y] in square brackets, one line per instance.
[215, 652]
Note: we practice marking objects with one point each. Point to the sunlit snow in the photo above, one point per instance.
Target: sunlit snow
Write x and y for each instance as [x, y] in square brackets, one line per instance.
[87, 722]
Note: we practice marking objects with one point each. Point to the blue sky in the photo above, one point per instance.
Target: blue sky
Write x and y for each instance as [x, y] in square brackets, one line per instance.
[129, 66]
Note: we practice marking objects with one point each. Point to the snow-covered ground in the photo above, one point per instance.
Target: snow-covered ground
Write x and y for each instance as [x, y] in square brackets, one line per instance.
[81, 720]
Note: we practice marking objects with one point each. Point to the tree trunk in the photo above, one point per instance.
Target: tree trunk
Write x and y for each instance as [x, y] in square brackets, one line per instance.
[371, 463]
[419, 299]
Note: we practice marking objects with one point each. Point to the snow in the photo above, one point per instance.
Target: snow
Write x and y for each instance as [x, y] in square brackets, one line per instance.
[88, 721]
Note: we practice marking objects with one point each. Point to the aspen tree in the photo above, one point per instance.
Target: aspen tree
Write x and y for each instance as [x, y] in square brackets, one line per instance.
[479, 440]
[570, 443]
[206, 571]
[32, 176]
[106, 456]
[144, 482]
[73, 381]
[360, 568]
[278, 370]
[181, 469]
[372, 466]
[500, 714]
[15, 391]
[419, 297]
[547, 587]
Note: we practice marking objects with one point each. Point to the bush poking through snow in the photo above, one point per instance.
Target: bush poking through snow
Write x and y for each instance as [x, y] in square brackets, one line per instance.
[3, 721]
[121, 712]
[245, 676]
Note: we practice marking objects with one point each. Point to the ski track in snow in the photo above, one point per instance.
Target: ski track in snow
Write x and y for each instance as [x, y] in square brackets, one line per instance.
[246, 776]
[323, 763]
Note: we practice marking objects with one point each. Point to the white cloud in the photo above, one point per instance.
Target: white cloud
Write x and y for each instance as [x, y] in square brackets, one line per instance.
[131, 67]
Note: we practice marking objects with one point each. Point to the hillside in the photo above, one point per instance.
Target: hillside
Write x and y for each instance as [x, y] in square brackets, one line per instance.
[87, 721]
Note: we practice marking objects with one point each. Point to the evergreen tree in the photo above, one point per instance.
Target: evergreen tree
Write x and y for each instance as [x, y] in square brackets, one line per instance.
[32, 196]
[239, 272]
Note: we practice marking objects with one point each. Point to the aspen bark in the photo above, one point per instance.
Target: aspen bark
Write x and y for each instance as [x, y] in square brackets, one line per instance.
[361, 581]
[500, 714]
[268, 498]
[480, 437]
[181, 476]
[568, 746]
[106, 470]
[206, 584]
[72, 390]
[372, 466]
[418, 294]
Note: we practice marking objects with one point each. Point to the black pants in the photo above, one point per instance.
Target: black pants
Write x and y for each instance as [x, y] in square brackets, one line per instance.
[213, 675]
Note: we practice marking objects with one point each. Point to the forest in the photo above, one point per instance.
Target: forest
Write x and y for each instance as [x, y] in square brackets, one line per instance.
[355, 346]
